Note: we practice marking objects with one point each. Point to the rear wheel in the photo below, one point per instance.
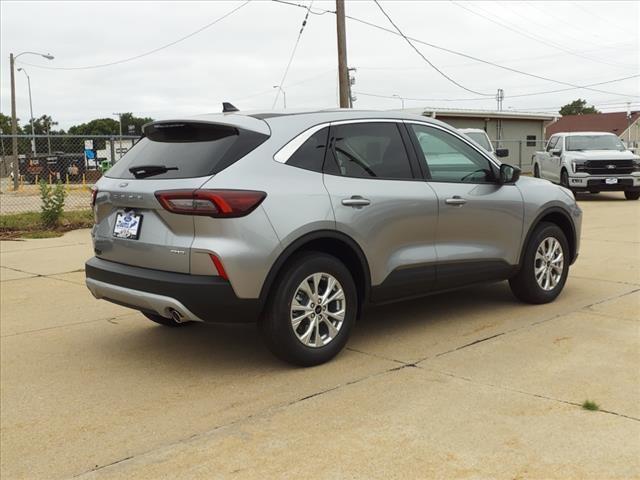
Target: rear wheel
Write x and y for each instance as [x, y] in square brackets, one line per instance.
[311, 311]
[629, 195]
[545, 266]
[167, 322]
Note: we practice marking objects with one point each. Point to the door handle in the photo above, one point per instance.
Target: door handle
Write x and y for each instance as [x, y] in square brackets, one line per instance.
[455, 200]
[356, 201]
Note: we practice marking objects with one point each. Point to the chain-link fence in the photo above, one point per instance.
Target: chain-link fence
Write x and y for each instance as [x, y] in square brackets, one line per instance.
[521, 152]
[75, 161]
[79, 161]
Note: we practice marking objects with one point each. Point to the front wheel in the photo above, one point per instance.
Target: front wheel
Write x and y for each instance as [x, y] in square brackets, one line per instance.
[536, 171]
[564, 179]
[311, 311]
[629, 195]
[545, 266]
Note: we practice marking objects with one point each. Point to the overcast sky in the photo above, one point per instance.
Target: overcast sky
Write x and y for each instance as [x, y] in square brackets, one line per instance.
[240, 58]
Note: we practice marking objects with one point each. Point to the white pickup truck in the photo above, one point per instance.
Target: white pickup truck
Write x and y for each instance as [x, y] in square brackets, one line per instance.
[590, 162]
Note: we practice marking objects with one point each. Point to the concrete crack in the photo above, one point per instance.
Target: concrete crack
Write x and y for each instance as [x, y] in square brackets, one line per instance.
[531, 394]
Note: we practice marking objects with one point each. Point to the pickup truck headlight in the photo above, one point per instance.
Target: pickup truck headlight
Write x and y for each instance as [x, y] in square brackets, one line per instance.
[577, 166]
[636, 166]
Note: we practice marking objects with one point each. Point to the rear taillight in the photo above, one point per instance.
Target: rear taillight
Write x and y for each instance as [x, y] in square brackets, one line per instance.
[211, 203]
[94, 194]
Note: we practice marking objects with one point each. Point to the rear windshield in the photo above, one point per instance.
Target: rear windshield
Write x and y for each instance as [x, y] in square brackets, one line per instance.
[185, 150]
[594, 142]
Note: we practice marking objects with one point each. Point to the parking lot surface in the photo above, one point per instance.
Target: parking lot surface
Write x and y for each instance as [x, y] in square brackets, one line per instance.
[469, 384]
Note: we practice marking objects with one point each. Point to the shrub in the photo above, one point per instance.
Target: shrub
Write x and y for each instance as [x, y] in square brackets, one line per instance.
[52, 203]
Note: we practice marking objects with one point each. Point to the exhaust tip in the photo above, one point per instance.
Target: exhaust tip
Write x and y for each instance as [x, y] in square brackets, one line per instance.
[176, 316]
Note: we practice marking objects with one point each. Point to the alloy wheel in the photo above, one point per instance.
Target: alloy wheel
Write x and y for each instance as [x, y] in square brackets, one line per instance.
[549, 263]
[318, 310]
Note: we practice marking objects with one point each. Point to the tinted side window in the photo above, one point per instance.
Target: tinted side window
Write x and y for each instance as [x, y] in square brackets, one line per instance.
[449, 159]
[310, 155]
[368, 150]
[552, 143]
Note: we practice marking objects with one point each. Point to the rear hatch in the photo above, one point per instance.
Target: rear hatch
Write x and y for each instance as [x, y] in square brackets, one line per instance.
[132, 227]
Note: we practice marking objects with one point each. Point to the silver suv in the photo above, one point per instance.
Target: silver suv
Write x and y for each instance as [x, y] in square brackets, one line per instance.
[300, 220]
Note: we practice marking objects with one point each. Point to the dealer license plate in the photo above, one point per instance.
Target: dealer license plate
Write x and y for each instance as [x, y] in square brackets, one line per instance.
[127, 225]
[610, 181]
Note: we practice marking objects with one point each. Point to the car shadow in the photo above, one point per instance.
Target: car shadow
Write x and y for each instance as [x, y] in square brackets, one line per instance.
[600, 197]
[238, 347]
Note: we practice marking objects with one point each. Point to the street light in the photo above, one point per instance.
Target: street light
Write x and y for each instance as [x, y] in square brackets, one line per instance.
[14, 121]
[33, 131]
[284, 95]
[395, 95]
[119, 115]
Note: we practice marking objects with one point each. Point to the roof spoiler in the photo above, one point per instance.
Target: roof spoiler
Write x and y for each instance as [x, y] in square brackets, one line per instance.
[229, 107]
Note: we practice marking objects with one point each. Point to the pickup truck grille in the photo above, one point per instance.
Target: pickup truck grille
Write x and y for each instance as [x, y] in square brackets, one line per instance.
[608, 167]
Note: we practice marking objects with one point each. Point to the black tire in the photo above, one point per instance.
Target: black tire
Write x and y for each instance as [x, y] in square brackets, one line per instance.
[536, 171]
[524, 285]
[167, 322]
[564, 178]
[275, 324]
[629, 195]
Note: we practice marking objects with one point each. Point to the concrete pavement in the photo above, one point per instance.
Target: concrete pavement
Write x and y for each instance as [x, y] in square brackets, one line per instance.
[470, 384]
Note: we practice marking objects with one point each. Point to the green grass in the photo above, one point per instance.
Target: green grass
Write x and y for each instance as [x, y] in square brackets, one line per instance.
[589, 405]
[29, 225]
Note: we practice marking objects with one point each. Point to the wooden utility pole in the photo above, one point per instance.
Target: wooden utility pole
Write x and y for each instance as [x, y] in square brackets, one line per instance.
[343, 72]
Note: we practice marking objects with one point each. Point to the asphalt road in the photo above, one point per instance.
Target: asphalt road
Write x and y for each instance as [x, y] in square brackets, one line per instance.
[469, 384]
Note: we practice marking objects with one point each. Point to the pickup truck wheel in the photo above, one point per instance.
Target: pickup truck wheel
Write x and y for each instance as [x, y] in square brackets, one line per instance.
[564, 179]
[536, 171]
[311, 311]
[167, 322]
[545, 266]
[629, 195]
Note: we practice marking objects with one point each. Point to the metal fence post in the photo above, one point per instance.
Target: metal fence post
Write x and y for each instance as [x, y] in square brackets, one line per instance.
[112, 150]
[520, 154]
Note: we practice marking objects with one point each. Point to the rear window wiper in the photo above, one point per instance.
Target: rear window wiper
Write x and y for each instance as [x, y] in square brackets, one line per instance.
[144, 171]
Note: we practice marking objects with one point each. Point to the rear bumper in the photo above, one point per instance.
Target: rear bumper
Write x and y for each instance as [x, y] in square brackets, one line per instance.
[195, 297]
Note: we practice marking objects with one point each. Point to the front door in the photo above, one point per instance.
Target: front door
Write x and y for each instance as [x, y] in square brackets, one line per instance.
[480, 221]
[381, 202]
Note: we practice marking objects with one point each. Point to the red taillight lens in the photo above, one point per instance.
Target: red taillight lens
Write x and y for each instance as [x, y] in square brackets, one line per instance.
[219, 267]
[212, 203]
[94, 194]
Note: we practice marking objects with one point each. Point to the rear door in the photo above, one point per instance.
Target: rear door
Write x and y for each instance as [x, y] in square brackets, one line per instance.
[545, 163]
[379, 200]
[132, 227]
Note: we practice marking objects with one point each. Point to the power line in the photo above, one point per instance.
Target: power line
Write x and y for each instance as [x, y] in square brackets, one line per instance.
[145, 54]
[425, 58]
[465, 55]
[293, 52]
[507, 96]
[524, 33]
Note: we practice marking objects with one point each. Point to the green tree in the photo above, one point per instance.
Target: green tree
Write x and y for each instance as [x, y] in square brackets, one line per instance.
[577, 107]
[5, 125]
[99, 126]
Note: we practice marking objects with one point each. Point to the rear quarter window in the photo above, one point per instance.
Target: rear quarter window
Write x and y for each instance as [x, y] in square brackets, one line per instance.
[189, 149]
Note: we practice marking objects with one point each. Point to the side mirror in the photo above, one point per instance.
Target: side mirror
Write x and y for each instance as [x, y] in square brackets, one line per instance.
[502, 152]
[556, 152]
[508, 174]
